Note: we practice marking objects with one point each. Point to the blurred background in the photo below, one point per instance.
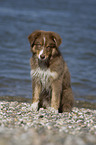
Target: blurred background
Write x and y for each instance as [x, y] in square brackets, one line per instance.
[74, 20]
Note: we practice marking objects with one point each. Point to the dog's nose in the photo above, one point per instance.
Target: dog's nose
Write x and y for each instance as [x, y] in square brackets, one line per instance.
[42, 56]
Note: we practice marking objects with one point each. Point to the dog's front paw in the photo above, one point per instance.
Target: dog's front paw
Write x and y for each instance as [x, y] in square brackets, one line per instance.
[53, 110]
[34, 106]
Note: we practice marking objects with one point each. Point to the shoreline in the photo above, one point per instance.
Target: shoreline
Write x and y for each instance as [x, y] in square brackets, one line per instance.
[77, 103]
[19, 124]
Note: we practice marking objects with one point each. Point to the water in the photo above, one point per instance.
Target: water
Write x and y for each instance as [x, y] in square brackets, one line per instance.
[74, 20]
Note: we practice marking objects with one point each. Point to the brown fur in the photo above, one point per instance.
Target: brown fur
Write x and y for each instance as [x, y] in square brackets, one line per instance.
[50, 75]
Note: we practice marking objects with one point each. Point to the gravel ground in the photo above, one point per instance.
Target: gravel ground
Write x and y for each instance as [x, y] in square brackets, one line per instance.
[19, 125]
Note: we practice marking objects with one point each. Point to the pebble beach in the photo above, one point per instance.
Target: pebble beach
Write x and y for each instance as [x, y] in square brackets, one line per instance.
[19, 125]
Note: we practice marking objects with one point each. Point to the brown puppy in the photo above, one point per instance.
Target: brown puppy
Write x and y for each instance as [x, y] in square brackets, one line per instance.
[50, 75]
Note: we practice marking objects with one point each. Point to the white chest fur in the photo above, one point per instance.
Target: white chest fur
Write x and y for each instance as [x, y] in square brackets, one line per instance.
[44, 75]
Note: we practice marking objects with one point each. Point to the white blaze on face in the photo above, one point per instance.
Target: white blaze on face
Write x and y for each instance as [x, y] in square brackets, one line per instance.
[44, 40]
[40, 53]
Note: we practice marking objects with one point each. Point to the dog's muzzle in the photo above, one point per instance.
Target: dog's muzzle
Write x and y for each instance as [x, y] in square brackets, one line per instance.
[42, 56]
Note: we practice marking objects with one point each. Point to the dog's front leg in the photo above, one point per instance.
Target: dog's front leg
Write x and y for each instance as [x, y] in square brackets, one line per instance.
[56, 95]
[36, 93]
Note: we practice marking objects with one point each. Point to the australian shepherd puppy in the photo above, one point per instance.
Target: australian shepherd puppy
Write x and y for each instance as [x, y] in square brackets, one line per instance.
[50, 75]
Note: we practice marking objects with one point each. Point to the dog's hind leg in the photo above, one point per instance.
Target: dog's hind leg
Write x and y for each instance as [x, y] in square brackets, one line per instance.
[67, 100]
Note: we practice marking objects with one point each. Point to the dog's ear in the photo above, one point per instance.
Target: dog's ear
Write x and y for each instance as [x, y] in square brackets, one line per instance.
[56, 38]
[33, 36]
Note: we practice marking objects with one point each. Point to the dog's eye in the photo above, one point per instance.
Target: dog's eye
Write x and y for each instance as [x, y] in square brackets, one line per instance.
[48, 48]
[38, 46]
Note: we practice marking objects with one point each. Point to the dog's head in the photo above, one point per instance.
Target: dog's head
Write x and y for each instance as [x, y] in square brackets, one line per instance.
[44, 44]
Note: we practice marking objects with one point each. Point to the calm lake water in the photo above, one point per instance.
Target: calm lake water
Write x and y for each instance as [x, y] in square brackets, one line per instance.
[74, 20]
